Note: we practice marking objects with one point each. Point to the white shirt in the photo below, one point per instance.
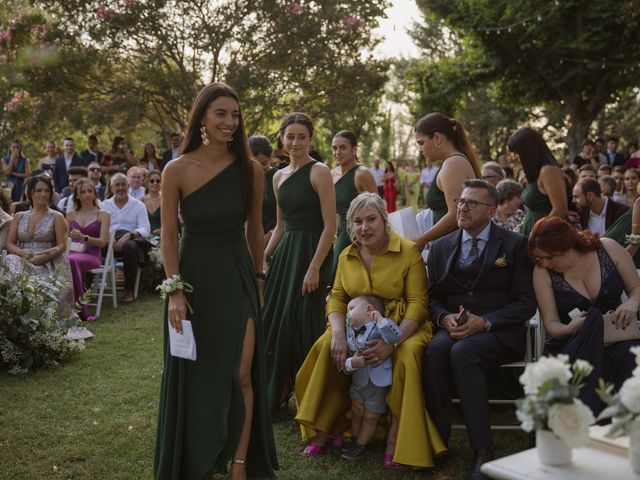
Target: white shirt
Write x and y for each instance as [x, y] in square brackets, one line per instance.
[131, 218]
[467, 240]
[377, 173]
[175, 153]
[427, 175]
[597, 223]
[67, 161]
[138, 193]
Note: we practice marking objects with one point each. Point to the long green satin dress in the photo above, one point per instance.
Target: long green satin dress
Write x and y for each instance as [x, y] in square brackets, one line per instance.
[201, 405]
[269, 203]
[292, 321]
[619, 229]
[345, 192]
[538, 204]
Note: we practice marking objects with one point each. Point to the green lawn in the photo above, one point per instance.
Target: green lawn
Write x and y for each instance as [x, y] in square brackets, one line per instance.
[95, 417]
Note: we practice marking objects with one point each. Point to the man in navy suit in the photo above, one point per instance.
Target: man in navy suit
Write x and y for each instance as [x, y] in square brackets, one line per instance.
[173, 152]
[68, 159]
[613, 157]
[480, 297]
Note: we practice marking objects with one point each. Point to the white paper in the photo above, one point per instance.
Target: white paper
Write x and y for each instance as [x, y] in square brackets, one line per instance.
[182, 345]
[404, 223]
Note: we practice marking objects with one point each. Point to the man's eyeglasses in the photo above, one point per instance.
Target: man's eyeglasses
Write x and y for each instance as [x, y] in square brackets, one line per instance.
[471, 204]
[94, 169]
[487, 177]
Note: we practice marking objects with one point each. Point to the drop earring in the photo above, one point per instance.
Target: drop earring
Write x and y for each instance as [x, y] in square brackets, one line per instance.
[203, 134]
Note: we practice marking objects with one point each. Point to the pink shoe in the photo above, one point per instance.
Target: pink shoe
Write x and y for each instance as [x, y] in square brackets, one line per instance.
[91, 318]
[389, 464]
[311, 450]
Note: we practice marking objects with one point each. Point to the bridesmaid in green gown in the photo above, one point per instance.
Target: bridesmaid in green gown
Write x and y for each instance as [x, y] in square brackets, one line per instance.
[547, 190]
[628, 223]
[299, 256]
[444, 142]
[350, 178]
[213, 410]
[261, 151]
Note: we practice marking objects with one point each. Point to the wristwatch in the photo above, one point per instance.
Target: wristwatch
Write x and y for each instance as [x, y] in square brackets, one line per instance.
[487, 325]
[86, 238]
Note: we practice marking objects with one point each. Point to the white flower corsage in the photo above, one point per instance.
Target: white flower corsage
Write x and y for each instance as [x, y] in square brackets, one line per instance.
[632, 239]
[173, 284]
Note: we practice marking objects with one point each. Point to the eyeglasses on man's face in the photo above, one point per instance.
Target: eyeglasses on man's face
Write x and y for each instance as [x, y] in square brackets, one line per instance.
[94, 169]
[471, 204]
[487, 177]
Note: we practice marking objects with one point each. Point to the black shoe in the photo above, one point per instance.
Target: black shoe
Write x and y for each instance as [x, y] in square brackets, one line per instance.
[353, 451]
[481, 456]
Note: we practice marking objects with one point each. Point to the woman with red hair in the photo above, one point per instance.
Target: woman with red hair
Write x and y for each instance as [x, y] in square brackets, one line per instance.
[576, 269]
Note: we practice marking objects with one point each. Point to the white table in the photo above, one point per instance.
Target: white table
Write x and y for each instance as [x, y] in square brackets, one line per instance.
[587, 464]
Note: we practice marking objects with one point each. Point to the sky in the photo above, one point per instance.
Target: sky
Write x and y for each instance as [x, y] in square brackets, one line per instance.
[396, 41]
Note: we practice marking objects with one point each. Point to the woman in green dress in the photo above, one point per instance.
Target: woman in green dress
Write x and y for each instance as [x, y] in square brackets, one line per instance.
[444, 142]
[627, 224]
[299, 257]
[350, 178]
[261, 151]
[546, 193]
[213, 410]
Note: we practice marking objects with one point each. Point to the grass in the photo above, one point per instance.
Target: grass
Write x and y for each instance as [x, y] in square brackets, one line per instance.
[95, 416]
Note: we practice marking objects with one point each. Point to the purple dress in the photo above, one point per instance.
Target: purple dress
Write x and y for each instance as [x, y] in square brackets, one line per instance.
[82, 262]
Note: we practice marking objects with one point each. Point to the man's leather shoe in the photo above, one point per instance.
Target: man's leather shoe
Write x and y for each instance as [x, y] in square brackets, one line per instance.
[481, 456]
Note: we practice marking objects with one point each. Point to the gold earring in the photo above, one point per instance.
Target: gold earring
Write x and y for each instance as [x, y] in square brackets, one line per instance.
[203, 134]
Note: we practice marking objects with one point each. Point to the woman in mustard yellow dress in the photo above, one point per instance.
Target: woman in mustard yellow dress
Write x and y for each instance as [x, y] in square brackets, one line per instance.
[322, 390]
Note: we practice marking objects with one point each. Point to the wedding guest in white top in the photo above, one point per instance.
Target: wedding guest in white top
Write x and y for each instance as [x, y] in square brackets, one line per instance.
[135, 175]
[378, 172]
[426, 178]
[130, 221]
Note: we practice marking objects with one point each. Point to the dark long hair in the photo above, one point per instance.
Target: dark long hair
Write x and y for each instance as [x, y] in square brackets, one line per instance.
[238, 145]
[33, 183]
[533, 152]
[296, 117]
[453, 130]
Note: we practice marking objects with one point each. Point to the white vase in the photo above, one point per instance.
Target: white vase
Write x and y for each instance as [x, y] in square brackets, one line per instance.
[634, 451]
[552, 450]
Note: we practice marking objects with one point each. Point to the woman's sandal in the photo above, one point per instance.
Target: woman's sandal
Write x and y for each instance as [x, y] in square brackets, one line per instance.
[313, 449]
[388, 462]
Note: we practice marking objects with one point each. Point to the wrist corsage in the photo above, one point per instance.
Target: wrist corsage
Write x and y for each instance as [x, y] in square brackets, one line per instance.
[173, 284]
[633, 239]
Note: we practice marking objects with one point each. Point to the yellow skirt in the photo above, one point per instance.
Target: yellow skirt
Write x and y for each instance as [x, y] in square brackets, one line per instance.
[322, 396]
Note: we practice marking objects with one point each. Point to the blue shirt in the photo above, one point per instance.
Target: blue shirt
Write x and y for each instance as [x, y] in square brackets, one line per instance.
[467, 240]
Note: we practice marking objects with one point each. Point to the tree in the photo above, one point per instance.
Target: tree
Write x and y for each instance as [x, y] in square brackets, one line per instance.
[574, 55]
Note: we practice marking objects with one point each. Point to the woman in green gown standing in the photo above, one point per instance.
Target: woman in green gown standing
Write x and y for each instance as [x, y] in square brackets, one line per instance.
[627, 224]
[350, 179]
[299, 258]
[444, 142]
[213, 409]
[261, 150]
[546, 193]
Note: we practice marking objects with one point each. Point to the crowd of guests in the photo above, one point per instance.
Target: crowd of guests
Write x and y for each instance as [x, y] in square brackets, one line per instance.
[59, 217]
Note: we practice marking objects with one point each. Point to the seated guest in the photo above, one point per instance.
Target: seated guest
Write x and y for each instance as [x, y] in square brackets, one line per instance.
[65, 204]
[628, 224]
[37, 241]
[5, 219]
[586, 156]
[89, 234]
[575, 269]
[586, 171]
[619, 195]
[130, 222]
[95, 175]
[480, 297]
[597, 213]
[135, 176]
[603, 170]
[509, 215]
[379, 263]
[152, 200]
[607, 186]
[492, 173]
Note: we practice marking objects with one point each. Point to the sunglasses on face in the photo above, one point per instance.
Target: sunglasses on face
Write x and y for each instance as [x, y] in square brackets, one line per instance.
[154, 181]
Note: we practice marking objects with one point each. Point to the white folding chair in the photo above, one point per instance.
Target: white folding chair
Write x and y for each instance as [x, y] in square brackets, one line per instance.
[103, 276]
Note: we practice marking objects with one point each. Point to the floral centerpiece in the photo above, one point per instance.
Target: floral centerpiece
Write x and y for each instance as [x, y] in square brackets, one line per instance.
[551, 406]
[33, 330]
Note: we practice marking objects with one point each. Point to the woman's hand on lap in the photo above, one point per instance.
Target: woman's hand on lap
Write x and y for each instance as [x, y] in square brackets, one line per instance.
[377, 351]
[626, 313]
[338, 349]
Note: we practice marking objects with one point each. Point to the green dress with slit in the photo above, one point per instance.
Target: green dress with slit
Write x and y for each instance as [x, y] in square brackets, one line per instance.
[538, 205]
[201, 405]
[292, 321]
[619, 229]
[345, 192]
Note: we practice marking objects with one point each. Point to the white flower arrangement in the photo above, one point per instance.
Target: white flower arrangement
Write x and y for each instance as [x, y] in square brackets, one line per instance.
[173, 284]
[32, 330]
[551, 386]
[623, 407]
[632, 239]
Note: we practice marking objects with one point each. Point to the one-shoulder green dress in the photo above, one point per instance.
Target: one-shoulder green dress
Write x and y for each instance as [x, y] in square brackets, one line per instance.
[619, 229]
[345, 192]
[269, 203]
[538, 205]
[292, 321]
[201, 405]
